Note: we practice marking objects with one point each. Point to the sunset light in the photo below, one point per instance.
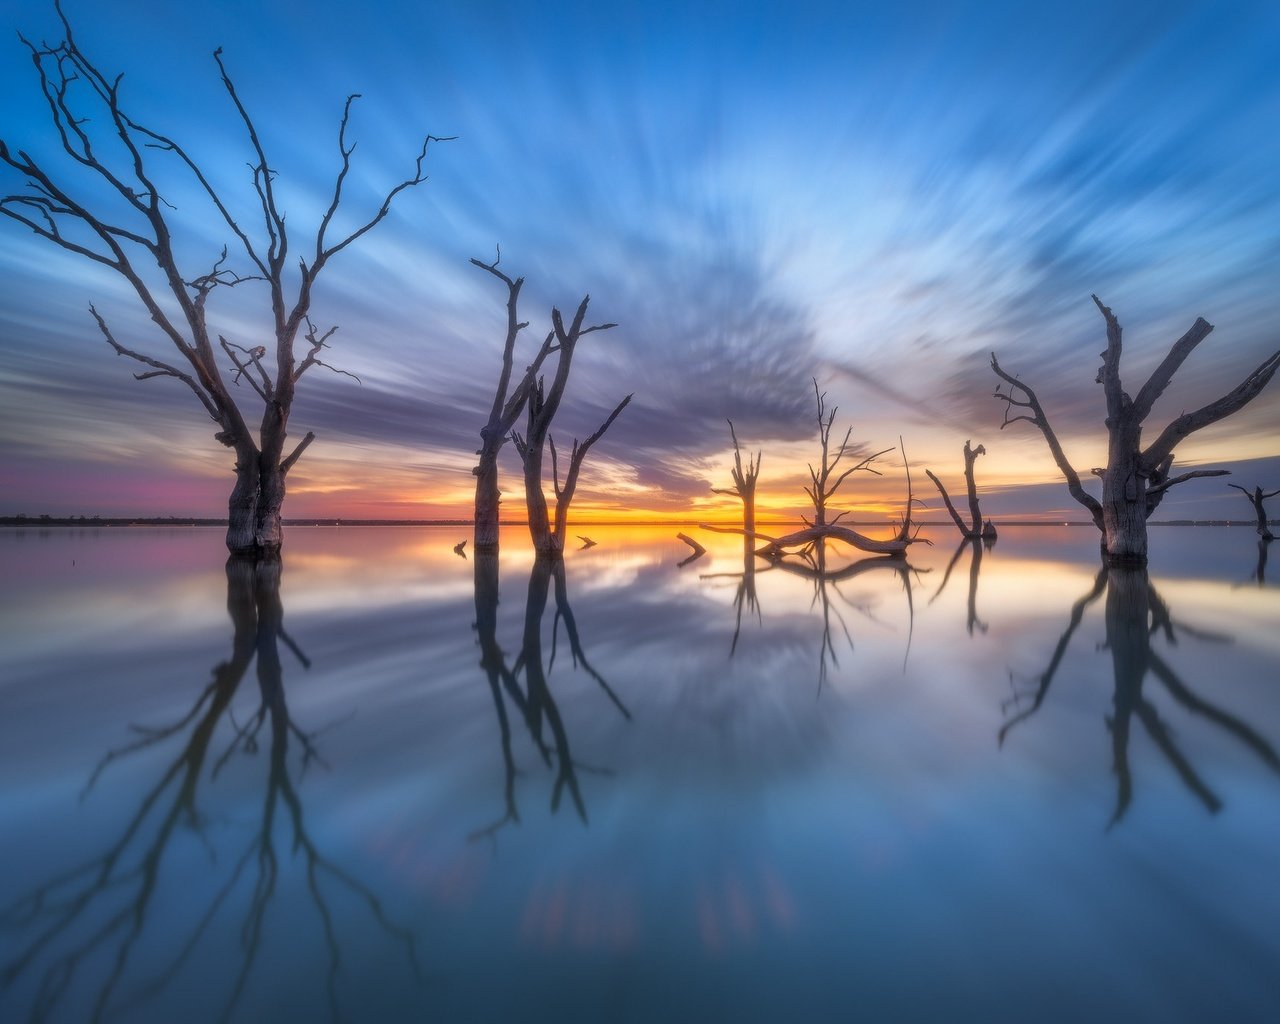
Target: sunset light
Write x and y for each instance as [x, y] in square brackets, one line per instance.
[639, 511]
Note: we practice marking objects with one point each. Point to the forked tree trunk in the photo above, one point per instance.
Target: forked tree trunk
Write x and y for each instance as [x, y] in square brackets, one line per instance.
[976, 527]
[541, 405]
[254, 526]
[504, 411]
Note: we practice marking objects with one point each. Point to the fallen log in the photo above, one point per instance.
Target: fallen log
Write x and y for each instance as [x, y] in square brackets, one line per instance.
[774, 546]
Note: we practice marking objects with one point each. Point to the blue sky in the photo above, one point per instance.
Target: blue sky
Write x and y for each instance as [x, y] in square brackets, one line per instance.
[758, 194]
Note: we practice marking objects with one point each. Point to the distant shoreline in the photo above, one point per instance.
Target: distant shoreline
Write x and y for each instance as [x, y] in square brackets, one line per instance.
[98, 522]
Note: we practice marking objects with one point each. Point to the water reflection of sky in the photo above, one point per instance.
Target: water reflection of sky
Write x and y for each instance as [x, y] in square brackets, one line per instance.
[761, 839]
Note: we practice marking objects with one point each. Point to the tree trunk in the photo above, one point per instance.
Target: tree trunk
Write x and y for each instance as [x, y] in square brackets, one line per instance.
[268, 533]
[242, 508]
[1124, 499]
[254, 529]
[488, 498]
[544, 541]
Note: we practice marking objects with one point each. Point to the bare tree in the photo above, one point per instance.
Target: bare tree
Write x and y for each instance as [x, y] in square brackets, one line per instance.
[826, 479]
[744, 483]
[975, 527]
[1135, 479]
[1256, 498]
[86, 110]
[506, 409]
[541, 406]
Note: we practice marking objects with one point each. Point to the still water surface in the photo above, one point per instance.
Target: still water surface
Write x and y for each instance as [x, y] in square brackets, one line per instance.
[394, 784]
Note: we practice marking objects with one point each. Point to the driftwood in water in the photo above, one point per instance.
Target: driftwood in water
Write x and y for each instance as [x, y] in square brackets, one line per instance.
[775, 546]
[698, 550]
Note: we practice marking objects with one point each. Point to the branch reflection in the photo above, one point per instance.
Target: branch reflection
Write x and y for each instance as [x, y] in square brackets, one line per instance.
[976, 547]
[1136, 617]
[97, 912]
[533, 701]
[810, 563]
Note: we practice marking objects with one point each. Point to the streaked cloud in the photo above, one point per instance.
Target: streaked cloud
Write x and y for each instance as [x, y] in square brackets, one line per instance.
[757, 196]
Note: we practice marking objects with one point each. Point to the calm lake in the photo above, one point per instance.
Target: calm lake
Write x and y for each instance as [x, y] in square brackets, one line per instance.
[392, 784]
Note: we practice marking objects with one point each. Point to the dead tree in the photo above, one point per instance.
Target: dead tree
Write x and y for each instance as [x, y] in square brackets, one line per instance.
[824, 479]
[541, 407]
[507, 406]
[1135, 479]
[1256, 498]
[825, 482]
[975, 528]
[86, 109]
[744, 483]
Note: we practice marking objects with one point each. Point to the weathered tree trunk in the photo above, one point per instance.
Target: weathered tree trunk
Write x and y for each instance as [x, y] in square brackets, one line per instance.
[1124, 498]
[1135, 479]
[488, 498]
[268, 535]
[242, 508]
[545, 542]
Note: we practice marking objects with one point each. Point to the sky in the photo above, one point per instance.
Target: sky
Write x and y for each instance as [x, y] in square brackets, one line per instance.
[759, 194]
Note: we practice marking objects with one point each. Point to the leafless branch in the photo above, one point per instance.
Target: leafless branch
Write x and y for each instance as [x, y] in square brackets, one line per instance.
[287, 464]
[161, 369]
[1191, 475]
[1233, 401]
[1030, 401]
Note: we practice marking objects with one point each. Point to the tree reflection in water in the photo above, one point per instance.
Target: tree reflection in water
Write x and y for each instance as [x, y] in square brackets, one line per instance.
[1135, 617]
[976, 548]
[533, 701]
[810, 563]
[98, 911]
